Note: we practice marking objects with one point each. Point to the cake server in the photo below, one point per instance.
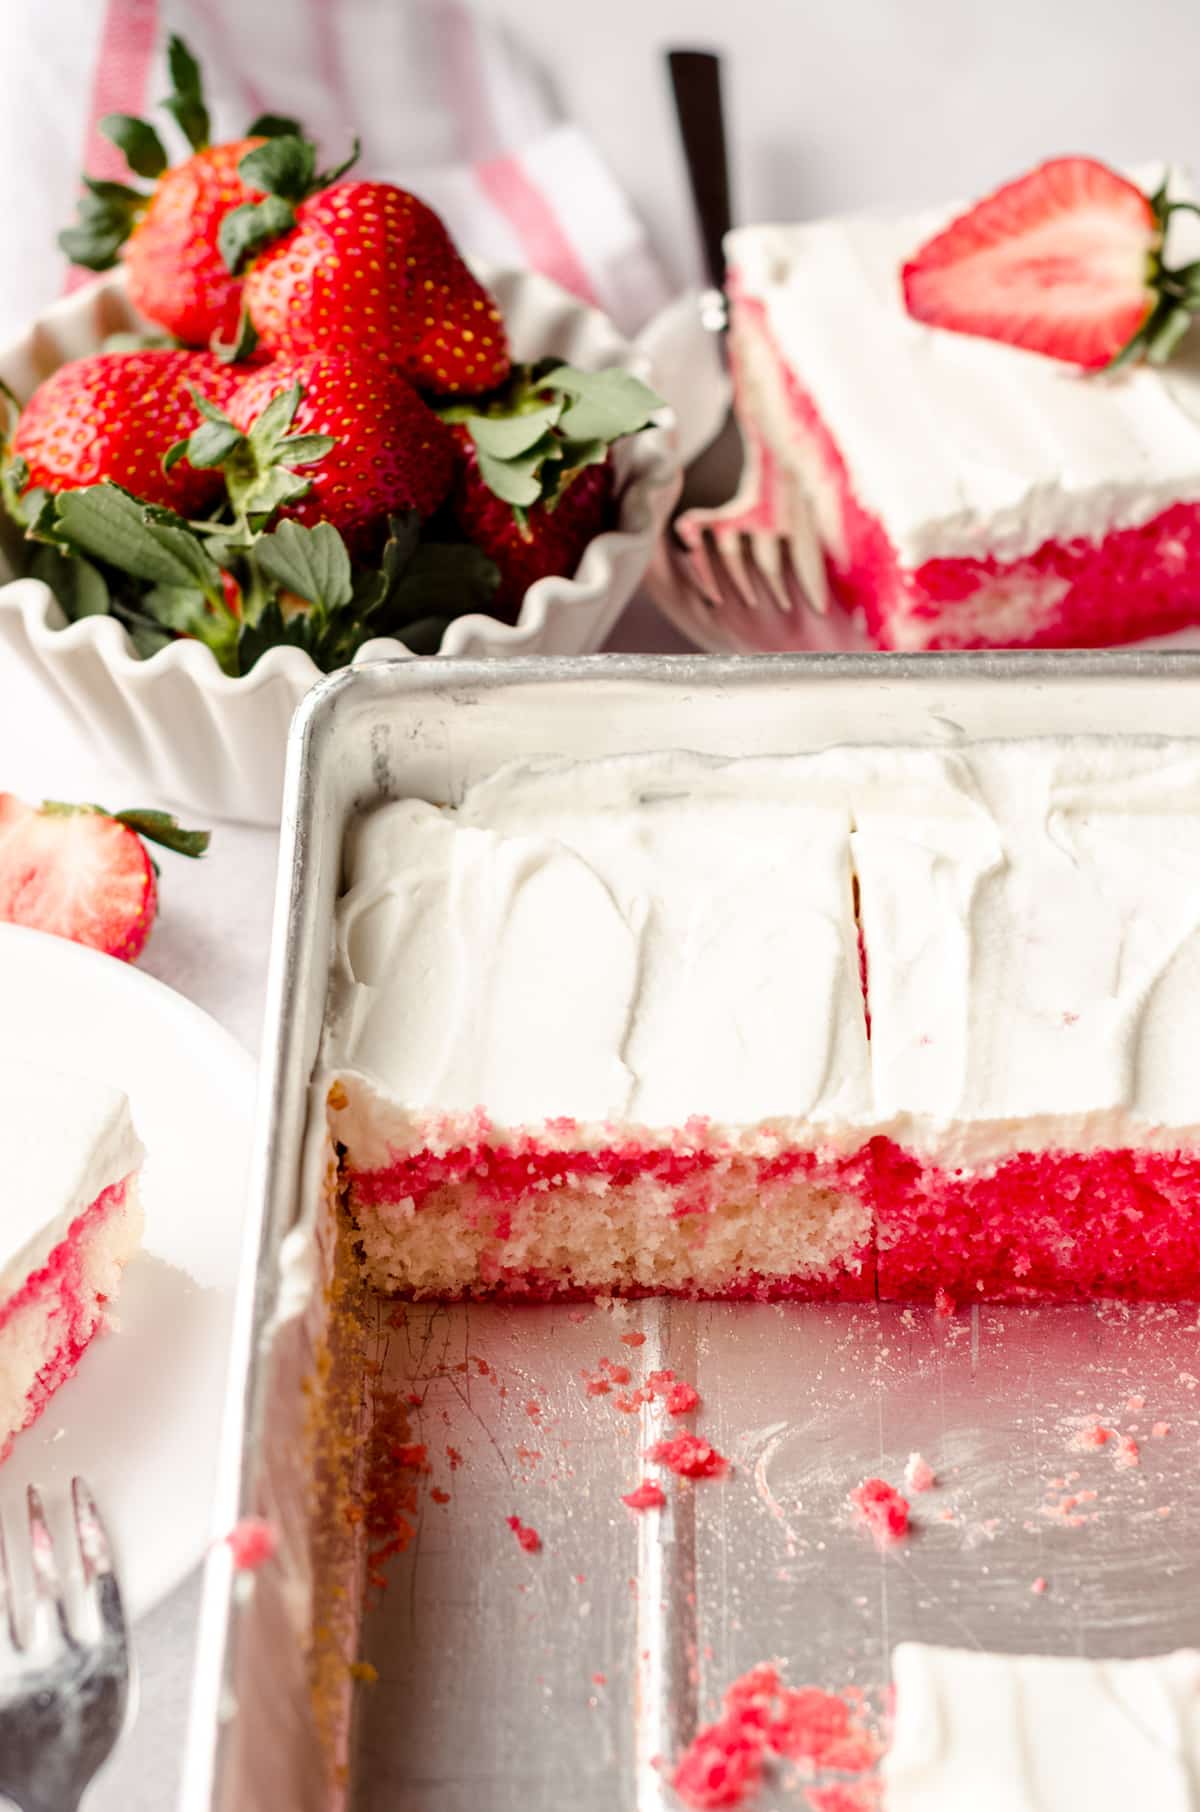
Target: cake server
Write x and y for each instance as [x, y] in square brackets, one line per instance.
[65, 1685]
[725, 571]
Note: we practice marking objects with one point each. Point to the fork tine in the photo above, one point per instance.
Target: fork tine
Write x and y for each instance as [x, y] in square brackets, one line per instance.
[766, 561]
[47, 1580]
[95, 1551]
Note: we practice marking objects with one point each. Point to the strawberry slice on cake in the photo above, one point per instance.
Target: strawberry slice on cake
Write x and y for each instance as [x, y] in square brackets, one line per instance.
[70, 1220]
[942, 393]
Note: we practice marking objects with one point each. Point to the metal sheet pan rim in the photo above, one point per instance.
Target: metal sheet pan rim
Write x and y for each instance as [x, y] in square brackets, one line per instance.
[283, 1089]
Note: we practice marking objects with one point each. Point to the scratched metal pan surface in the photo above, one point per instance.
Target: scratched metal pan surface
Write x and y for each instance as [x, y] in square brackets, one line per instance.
[488, 1678]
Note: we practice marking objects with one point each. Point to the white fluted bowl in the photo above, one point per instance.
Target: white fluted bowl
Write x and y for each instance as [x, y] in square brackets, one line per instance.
[215, 745]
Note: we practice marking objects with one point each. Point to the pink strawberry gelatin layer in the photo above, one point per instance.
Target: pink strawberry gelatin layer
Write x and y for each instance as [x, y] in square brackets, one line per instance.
[1133, 583]
[47, 1324]
[539, 1220]
[1039, 1226]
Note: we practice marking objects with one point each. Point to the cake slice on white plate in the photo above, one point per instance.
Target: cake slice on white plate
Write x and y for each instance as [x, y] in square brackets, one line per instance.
[70, 1220]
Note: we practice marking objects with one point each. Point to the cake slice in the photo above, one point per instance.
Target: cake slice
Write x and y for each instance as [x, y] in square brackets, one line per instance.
[1032, 938]
[966, 493]
[70, 1219]
[601, 1030]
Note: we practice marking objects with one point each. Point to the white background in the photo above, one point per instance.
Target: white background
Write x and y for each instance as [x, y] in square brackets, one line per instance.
[851, 104]
[846, 105]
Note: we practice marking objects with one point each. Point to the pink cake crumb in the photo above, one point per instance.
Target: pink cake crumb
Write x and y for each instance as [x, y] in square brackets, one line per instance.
[880, 1507]
[252, 1541]
[659, 1383]
[943, 1303]
[634, 1339]
[919, 1474]
[1135, 1403]
[1160, 1431]
[439, 1496]
[649, 1495]
[528, 1538]
[846, 1796]
[1128, 1453]
[1086, 1440]
[599, 1679]
[690, 1457]
[682, 1399]
[1038, 1586]
[721, 1766]
[761, 1716]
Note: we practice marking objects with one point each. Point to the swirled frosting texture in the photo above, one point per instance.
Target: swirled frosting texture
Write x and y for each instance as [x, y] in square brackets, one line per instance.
[641, 941]
[636, 941]
[1040, 1733]
[962, 447]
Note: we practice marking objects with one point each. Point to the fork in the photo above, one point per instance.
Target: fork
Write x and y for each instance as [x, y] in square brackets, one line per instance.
[759, 553]
[64, 1692]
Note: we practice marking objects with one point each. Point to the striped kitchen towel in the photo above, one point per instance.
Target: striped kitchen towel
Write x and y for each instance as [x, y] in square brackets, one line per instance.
[444, 101]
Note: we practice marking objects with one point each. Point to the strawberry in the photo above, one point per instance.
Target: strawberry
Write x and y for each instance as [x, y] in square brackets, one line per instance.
[535, 483]
[1065, 261]
[176, 273]
[387, 451]
[370, 266]
[112, 416]
[80, 873]
[169, 238]
[545, 538]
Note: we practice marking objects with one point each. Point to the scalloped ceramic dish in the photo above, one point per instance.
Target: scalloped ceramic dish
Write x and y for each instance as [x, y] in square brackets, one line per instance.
[216, 745]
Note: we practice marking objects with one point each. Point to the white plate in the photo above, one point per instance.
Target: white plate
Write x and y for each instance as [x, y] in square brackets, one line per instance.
[141, 1418]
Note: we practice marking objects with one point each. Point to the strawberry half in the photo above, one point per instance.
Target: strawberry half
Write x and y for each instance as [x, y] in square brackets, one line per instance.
[113, 416]
[77, 872]
[1064, 261]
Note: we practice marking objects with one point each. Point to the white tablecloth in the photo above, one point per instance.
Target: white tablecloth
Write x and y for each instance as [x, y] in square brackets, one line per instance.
[210, 943]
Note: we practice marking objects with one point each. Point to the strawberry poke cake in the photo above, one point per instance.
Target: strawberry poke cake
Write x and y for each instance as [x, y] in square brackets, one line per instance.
[70, 1220]
[873, 1019]
[978, 411]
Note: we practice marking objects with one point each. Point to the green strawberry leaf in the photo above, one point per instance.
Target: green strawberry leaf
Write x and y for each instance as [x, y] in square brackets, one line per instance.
[137, 141]
[271, 488]
[326, 178]
[508, 436]
[186, 611]
[1167, 334]
[112, 526]
[517, 480]
[244, 231]
[80, 587]
[185, 103]
[163, 829]
[284, 167]
[606, 405]
[312, 562]
[107, 213]
[273, 424]
[304, 449]
[274, 125]
[272, 630]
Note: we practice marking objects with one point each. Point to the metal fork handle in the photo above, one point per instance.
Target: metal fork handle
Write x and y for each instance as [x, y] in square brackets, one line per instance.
[696, 86]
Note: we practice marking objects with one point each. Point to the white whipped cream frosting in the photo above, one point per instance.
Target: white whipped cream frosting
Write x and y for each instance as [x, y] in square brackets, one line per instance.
[963, 447]
[63, 1141]
[1038, 1733]
[639, 941]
